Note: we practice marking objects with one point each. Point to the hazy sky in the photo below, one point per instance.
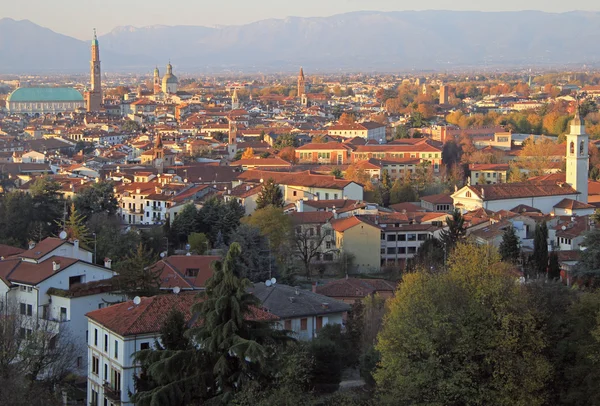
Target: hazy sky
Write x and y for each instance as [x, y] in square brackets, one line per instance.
[77, 17]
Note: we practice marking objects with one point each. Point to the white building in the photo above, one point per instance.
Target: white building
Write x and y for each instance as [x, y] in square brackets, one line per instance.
[117, 332]
[368, 130]
[56, 282]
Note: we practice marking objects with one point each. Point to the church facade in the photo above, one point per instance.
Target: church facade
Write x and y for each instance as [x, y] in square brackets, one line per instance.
[544, 196]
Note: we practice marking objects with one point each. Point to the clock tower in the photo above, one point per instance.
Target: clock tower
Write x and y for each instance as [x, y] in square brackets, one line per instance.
[94, 95]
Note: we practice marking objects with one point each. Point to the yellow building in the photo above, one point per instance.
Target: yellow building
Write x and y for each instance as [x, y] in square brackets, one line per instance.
[361, 238]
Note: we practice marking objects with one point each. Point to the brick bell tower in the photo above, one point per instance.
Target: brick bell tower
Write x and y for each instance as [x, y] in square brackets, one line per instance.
[301, 83]
[94, 95]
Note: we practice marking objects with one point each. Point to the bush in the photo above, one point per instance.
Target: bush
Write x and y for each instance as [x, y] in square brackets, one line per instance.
[368, 363]
[327, 371]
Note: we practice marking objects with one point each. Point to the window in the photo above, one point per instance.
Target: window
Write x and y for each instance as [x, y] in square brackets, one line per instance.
[116, 349]
[581, 148]
[391, 250]
[412, 250]
[328, 245]
[391, 237]
[29, 310]
[96, 337]
[106, 372]
[572, 148]
[94, 399]
[411, 237]
[319, 322]
[288, 325]
[63, 314]
[23, 308]
[422, 237]
[95, 365]
[303, 324]
[79, 362]
[192, 272]
[116, 380]
[468, 194]
[105, 342]
[74, 280]
[401, 237]
[144, 346]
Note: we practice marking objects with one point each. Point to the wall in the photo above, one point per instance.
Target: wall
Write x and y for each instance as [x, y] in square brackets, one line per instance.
[363, 241]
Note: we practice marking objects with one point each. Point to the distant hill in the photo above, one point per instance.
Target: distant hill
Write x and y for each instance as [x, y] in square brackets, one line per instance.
[389, 41]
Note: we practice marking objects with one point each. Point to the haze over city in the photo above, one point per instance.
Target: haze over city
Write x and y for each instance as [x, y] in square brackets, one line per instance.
[76, 17]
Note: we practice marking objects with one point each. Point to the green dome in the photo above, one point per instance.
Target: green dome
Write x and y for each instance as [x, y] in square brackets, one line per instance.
[45, 94]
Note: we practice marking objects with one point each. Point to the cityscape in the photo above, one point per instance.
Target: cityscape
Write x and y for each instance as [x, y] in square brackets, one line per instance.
[304, 228]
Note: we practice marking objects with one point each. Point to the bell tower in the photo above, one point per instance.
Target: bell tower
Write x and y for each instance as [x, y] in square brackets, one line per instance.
[578, 157]
[301, 84]
[94, 95]
[156, 82]
[235, 100]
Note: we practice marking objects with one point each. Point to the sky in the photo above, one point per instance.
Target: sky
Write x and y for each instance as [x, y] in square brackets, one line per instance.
[76, 18]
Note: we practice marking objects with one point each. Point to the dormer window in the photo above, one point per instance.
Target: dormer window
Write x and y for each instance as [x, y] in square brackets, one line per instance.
[192, 272]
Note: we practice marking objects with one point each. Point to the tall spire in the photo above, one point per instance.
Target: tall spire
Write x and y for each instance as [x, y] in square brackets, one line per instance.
[94, 95]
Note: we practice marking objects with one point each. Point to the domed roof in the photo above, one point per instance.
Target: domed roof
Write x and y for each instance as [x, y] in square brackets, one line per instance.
[45, 94]
[170, 78]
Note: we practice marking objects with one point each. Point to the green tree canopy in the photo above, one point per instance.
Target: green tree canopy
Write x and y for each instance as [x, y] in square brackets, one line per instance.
[509, 247]
[270, 195]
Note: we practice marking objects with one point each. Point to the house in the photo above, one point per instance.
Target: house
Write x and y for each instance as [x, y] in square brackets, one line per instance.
[119, 331]
[440, 203]
[488, 173]
[570, 207]
[349, 290]
[297, 185]
[54, 283]
[569, 233]
[330, 153]
[314, 236]
[246, 195]
[302, 312]
[368, 130]
[357, 236]
[186, 272]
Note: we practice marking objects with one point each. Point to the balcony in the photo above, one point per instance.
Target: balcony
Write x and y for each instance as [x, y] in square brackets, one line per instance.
[112, 394]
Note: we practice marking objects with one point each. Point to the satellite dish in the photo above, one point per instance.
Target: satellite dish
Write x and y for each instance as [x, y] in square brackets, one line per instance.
[273, 281]
[137, 300]
[564, 228]
[63, 235]
[268, 283]
[163, 254]
[176, 289]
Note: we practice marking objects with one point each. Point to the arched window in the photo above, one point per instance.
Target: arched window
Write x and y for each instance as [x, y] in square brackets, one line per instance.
[468, 194]
[581, 148]
[572, 147]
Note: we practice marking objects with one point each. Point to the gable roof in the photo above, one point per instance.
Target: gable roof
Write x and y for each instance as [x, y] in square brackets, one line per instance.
[306, 179]
[174, 271]
[502, 191]
[286, 301]
[44, 247]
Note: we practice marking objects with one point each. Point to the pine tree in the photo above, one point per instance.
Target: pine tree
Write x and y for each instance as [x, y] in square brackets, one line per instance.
[509, 247]
[454, 232]
[76, 228]
[137, 276]
[270, 195]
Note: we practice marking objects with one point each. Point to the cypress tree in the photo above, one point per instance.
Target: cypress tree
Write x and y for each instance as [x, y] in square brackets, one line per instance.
[509, 247]
[540, 249]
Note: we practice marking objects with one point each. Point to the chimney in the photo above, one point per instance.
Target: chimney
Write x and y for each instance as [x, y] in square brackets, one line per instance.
[55, 266]
[75, 245]
[107, 263]
[300, 206]
[31, 245]
[335, 214]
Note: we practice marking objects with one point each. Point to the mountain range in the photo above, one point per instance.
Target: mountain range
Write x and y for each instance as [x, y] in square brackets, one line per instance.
[367, 41]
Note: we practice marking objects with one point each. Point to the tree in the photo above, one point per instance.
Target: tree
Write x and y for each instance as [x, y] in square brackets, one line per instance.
[97, 198]
[540, 249]
[276, 226]
[199, 243]
[270, 195]
[536, 155]
[172, 332]
[288, 154]
[337, 172]
[218, 218]
[185, 223]
[402, 192]
[137, 275]
[356, 174]
[308, 242]
[257, 264]
[237, 345]
[248, 153]
[588, 268]
[430, 255]
[48, 206]
[454, 232]
[401, 132]
[457, 342]
[286, 140]
[347, 118]
[386, 184]
[509, 249]
[553, 266]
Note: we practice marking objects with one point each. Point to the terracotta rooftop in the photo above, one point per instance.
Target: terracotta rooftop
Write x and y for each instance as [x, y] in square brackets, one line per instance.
[307, 179]
[186, 272]
[146, 318]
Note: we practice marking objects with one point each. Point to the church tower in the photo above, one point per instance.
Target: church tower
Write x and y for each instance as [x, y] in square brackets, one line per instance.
[94, 95]
[578, 158]
[159, 154]
[156, 81]
[301, 83]
[235, 100]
